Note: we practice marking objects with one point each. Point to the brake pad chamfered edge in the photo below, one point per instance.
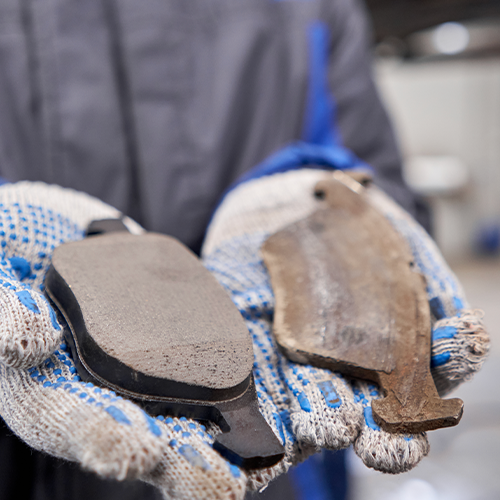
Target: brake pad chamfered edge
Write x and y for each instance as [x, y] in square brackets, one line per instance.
[144, 318]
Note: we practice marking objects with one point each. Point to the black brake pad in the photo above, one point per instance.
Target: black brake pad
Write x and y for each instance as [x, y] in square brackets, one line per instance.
[144, 318]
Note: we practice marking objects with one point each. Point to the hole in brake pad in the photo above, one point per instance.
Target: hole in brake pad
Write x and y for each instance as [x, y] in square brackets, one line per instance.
[144, 318]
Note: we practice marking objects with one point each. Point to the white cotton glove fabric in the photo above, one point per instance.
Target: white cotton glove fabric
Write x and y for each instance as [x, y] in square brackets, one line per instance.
[43, 400]
[34, 219]
[311, 408]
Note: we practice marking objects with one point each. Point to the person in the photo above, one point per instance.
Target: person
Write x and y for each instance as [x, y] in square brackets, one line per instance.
[157, 109]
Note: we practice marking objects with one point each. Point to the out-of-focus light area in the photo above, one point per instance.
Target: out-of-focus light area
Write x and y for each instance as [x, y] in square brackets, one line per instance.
[478, 39]
[441, 86]
[450, 38]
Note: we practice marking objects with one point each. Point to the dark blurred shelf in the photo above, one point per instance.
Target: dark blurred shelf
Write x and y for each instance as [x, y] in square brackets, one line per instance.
[400, 18]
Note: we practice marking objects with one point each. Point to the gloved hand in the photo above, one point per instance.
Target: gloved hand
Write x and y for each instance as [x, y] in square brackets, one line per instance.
[42, 399]
[52, 410]
[312, 408]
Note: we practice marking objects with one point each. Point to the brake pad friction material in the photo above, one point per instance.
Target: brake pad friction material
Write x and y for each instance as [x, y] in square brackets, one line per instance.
[349, 299]
[146, 319]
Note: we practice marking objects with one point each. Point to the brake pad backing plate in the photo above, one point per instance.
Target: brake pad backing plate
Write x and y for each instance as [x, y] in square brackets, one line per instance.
[348, 298]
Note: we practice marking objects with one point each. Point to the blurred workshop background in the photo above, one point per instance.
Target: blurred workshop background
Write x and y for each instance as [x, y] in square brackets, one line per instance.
[438, 70]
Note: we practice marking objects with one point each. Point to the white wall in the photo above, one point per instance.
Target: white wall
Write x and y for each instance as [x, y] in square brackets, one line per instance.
[451, 108]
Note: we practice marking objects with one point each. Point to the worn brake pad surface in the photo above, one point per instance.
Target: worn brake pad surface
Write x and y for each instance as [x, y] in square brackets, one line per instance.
[146, 319]
[348, 299]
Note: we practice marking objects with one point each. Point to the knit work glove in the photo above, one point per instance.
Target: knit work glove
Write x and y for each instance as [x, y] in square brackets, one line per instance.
[43, 400]
[311, 408]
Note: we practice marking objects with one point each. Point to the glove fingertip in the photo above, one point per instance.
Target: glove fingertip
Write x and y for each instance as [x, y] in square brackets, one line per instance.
[390, 453]
[29, 330]
[459, 349]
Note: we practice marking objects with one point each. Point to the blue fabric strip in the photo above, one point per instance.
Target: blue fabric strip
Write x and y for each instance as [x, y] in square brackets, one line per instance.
[320, 110]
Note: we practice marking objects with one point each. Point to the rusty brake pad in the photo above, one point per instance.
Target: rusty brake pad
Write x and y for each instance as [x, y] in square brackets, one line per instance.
[349, 299]
[144, 318]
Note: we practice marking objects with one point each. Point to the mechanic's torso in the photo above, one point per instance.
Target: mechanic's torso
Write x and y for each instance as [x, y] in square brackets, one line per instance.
[154, 106]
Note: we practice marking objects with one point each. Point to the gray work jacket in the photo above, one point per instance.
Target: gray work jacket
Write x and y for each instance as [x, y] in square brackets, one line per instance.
[157, 106]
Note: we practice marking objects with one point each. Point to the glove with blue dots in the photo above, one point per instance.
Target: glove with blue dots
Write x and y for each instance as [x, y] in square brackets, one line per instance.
[42, 399]
[311, 408]
[34, 219]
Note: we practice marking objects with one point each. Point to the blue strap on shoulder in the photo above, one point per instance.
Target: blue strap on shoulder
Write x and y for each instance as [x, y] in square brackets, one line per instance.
[320, 114]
